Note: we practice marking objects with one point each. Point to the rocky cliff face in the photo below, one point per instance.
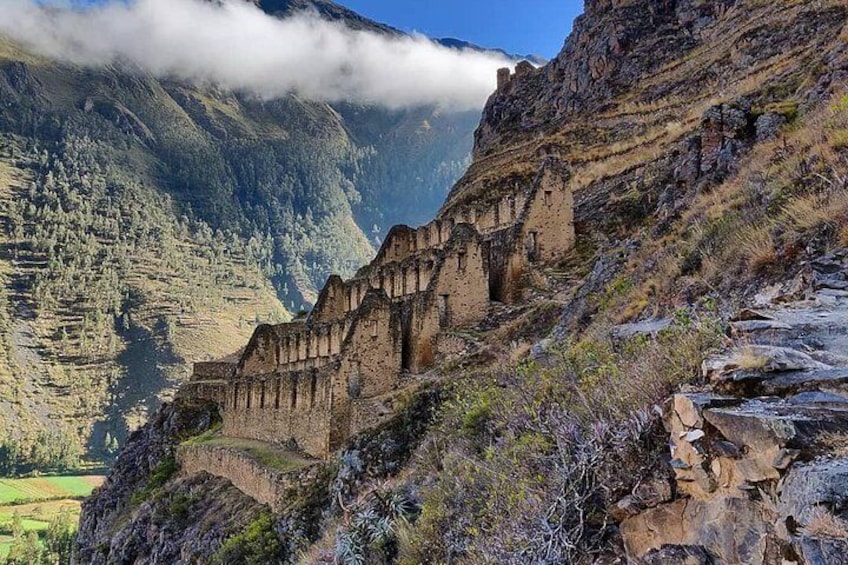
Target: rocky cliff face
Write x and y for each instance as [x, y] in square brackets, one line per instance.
[614, 47]
[150, 510]
[758, 455]
[633, 68]
[178, 521]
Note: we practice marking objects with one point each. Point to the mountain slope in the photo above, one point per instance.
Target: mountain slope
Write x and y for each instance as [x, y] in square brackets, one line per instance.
[150, 223]
[326, 9]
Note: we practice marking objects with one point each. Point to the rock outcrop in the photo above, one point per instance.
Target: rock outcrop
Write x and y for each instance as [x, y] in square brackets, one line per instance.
[759, 455]
[189, 518]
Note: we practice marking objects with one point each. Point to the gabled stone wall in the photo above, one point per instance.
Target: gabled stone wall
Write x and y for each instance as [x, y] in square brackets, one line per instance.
[310, 381]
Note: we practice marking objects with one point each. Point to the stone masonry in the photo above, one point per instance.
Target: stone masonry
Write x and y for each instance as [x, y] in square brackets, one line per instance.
[311, 382]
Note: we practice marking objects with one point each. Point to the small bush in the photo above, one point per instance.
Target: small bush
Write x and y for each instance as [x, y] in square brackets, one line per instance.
[161, 474]
[258, 544]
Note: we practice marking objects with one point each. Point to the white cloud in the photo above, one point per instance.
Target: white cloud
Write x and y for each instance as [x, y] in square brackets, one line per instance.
[235, 45]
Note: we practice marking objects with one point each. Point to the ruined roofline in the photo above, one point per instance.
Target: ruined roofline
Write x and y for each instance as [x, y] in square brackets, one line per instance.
[394, 232]
[326, 340]
[299, 344]
[375, 298]
[368, 273]
[333, 348]
[348, 297]
[461, 232]
[529, 188]
[421, 255]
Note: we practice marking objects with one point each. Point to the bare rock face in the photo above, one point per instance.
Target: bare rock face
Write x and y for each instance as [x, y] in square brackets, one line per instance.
[759, 458]
[614, 45]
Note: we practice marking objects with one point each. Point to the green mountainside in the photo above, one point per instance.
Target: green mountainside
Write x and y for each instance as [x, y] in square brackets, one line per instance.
[150, 223]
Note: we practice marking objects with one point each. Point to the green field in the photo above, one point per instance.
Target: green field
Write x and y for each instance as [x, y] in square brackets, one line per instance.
[21, 491]
[38, 501]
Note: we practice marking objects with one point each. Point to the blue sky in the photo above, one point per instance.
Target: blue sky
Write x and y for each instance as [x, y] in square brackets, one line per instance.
[523, 27]
[518, 26]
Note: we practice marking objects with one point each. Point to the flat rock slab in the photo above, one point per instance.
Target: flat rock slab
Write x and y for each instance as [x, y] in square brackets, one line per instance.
[678, 555]
[690, 407]
[819, 398]
[825, 325]
[755, 361]
[647, 328]
[823, 482]
[690, 523]
[750, 326]
[824, 551]
[798, 381]
[760, 425]
[749, 314]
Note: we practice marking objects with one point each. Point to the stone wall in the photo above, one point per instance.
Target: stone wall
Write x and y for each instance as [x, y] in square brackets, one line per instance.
[213, 391]
[281, 407]
[262, 484]
[461, 280]
[548, 224]
[294, 347]
[365, 333]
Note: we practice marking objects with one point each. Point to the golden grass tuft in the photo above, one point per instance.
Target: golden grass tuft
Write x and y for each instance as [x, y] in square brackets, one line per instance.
[746, 359]
[823, 523]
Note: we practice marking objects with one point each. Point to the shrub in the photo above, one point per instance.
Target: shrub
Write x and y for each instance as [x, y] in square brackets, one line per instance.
[531, 457]
[257, 544]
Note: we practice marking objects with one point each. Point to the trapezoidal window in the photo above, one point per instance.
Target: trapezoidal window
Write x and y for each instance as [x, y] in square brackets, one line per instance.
[462, 260]
[277, 395]
[262, 396]
[532, 245]
[444, 310]
[235, 396]
[249, 396]
[294, 394]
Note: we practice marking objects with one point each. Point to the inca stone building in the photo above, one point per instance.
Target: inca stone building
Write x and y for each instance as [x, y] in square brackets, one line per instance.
[318, 381]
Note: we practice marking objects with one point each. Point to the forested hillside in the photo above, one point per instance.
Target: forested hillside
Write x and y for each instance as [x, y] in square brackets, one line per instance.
[150, 223]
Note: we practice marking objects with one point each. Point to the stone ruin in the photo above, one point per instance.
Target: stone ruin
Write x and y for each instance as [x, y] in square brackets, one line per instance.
[316, 382]
[522, 69]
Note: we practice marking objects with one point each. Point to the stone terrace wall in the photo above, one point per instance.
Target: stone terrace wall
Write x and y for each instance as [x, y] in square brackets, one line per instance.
[262, 484]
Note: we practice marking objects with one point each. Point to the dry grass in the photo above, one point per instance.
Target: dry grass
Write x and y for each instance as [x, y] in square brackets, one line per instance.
[757, 245]
[748, 360]
[836, 443]
[823, 523]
